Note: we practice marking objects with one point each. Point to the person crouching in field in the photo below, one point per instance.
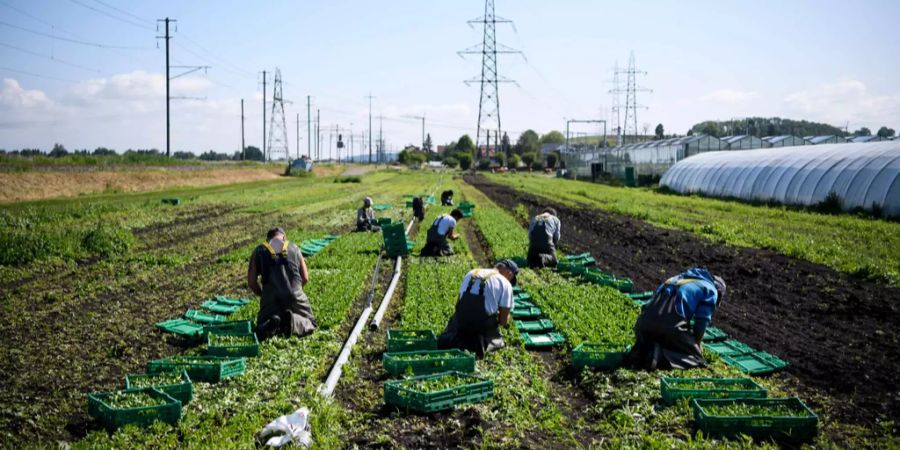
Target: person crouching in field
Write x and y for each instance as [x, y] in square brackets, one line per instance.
[664, 337]
[284, 308]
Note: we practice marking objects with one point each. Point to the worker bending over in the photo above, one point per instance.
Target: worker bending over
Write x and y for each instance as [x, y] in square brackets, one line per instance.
[440, 234]
[365, 217]
[447, 198]
[484, 303]
[543, 237]
[283, 307]
[664, 338]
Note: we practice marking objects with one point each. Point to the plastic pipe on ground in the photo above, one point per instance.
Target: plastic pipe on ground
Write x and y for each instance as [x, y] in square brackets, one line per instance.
[387, 296]
[327, 388]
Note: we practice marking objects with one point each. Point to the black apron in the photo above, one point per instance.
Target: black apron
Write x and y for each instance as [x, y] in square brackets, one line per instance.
[471, 328]
[418, 209]
[541, 251]
[282, 289]
[446, 198]
[363, 221]
[436, 244]
[663, 339]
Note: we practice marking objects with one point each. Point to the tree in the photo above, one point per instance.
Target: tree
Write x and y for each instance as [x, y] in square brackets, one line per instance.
[553, 137]
[528, 142]
[690, 132]
[465, 144]
[505, 145]
[886, 132]
[552, 159]
[103, 151]
[412, 156]
[451, 162]
[529, 158]
[465, 160]
[660, 131]
[184, 155]
[484, 164]
[863, 132]
[501, 158]
[513, 161]
[537, 165]
[252, 153]
[427, 144]
[213, 156]
[58, 151]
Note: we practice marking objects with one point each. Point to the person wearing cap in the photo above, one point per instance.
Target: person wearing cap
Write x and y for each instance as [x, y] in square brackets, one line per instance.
[441, 232]
[447, 198]
[365, 217]
[484, 304]
[543, 237]
[283, 306]
[664, 337]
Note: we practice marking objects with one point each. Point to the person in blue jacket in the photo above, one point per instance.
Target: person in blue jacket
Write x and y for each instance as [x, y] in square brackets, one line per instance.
[664, 337]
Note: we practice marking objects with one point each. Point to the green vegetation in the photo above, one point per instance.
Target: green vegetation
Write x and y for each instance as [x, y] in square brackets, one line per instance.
[232, 339]
[855, 245]
[159, 379]
[124, 400]
[739, 409]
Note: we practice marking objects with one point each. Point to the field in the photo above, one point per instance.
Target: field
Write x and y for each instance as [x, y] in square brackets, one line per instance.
[85, 280]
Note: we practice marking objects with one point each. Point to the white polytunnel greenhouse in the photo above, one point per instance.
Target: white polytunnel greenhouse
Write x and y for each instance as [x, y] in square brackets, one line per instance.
[861, 175]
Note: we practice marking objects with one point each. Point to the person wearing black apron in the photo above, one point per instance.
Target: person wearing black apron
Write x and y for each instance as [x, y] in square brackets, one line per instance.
[283, 306]
[543, 237]
[418, 208]
[484, 303]
[440, 233]
[664, 338]
[447, 198]
[365, 217]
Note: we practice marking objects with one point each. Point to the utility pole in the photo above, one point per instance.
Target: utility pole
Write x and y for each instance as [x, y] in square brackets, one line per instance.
[308, 129]
[298, 135]
[318, 142]
[370, 126]
[243, 146]
[381, 155]
[265, 155]
[169, 78]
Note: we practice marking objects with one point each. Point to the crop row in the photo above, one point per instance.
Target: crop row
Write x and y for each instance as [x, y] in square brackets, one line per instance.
[847, 243]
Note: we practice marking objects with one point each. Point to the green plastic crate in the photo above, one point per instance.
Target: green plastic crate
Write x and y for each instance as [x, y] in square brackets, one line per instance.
[537, 340]
[517, 290]
[401, 394]
[432, 361]
[112, 418]
[599, 356]
[210, 369]
[670, 388]
[219, 308]
[330, 237]
[801, 425]
[231, 326]
[646, 295]
[522, 296]
[534, 326]
[526, 313]
[381, 206]
[713, 334]
[523, 304]
[203, 317]
[232, 350]
[410, 340]
[382, 221]
[757, 363]
[231, 301]
[730, 347]
[183, 392]
[181, 327]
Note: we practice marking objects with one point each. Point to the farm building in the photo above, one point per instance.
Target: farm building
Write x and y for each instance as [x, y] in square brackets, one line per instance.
[862, 176]
[865, 139]
[786, 140]
[742, 142]
[827, 139]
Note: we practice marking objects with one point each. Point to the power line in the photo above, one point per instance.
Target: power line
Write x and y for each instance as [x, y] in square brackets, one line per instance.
[8, 69]
[53, 58]
[74, 41]
[124, 12]
[107, 14]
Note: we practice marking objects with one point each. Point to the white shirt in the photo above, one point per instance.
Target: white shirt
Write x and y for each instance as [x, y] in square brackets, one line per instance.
[445, 223]
[497, 292]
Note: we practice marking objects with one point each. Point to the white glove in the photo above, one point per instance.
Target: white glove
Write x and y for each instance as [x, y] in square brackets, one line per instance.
[294, 428]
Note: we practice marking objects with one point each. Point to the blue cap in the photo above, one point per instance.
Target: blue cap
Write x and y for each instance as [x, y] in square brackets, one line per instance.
[511, 266]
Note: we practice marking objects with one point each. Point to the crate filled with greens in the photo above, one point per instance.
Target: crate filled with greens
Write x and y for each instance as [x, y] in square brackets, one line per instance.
[200, 368]
[673, 388]
[599, 355]
[232, 344]
[409, 340]
[429, 393]
[176, 383]
[425, 362]
[139, 407]
[763, 418]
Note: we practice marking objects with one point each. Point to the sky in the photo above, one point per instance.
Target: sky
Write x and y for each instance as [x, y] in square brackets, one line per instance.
[90, 73]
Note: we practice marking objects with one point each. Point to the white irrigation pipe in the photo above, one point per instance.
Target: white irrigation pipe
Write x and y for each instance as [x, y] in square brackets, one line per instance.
[390, 290]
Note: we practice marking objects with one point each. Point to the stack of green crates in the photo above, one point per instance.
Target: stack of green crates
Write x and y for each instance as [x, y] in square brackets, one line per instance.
[466, 208]
[395, 241]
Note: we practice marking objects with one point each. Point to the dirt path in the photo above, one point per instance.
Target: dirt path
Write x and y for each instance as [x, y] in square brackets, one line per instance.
[838, 332]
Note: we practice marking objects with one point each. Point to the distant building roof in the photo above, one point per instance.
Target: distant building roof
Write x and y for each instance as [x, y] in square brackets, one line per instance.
[861, 139]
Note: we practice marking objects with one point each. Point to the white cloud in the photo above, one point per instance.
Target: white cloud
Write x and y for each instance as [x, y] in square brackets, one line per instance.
[14, 96]
[730, 96]
[843, 101]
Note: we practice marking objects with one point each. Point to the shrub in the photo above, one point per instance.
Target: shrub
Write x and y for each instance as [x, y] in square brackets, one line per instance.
[106, 241]
[348, 180]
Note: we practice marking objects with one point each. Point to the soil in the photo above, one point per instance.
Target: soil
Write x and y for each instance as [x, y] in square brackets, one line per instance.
[837, 332]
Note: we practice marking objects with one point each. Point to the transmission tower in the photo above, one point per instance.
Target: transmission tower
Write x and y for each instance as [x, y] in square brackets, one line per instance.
[278, 140]
[631, 104]
[489, 101]
[616, 106]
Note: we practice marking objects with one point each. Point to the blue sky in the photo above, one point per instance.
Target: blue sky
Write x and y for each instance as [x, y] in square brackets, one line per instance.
[832, 61]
